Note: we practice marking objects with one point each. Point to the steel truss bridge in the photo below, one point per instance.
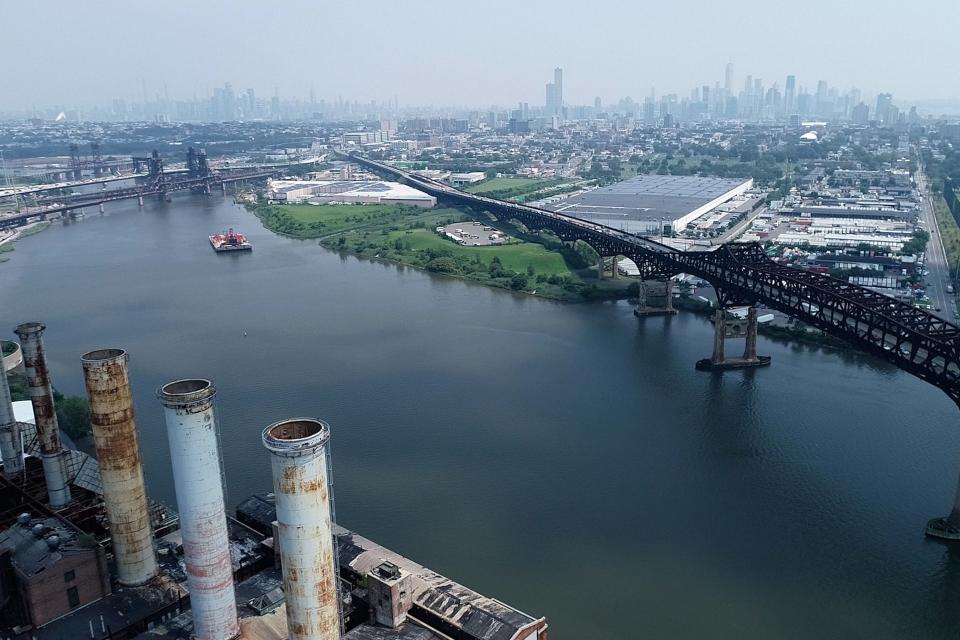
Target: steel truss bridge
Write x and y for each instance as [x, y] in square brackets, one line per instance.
[157, 182]
[914, 340]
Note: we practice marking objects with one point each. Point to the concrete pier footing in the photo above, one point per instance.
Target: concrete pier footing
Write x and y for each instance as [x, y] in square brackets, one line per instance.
[948, 527]
[643, 310]
[718, 361]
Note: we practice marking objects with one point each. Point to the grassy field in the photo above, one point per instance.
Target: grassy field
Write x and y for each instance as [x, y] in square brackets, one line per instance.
[505, 188]
[406, 235]
[949, 231]
[495, 184]
[515, 257]
[318, 221]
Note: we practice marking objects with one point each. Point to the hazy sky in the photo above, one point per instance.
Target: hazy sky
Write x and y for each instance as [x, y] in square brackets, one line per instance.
[469, 53]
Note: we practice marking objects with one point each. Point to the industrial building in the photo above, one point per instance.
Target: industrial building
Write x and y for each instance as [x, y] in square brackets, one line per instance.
[348, 192]
[106, 562]
[651, 204]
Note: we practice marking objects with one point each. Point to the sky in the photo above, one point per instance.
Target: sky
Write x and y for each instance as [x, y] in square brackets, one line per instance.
[472, 54]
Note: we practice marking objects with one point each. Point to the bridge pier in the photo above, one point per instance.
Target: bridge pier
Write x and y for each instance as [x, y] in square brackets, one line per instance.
[947, 528]
[139, 201]
[644, 311]
[101, 207]
[718, 361]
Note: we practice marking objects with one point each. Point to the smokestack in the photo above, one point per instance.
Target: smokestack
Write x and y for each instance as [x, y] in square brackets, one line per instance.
[118, 453]
[195, 456]
[11, 440]
[305, 535]
[41, 396]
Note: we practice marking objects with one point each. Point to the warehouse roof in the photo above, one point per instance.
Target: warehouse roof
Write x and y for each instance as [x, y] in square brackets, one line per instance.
[647, 197]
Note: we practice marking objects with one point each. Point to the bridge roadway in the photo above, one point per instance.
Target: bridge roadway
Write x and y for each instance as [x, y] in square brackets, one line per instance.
[912, 339]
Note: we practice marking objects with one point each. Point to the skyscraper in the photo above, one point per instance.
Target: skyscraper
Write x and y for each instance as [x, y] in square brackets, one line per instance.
[884, 102]
[728, 79]
[554, 94]
[790, 95]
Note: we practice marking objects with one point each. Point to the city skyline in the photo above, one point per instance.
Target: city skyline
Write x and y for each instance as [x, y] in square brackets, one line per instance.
[618, 50]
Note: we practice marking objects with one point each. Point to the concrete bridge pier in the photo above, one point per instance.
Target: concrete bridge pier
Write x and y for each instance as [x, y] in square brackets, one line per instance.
[719, 337]
[139, 201]
[947, 528]
[750, 348]
[643, 310]
[101, 207]
[718, 361]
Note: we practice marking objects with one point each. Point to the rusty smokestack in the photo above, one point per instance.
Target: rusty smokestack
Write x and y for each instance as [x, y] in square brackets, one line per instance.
[121, 470]
[11, 439]
[298, 449]
[41, 397]
[195, 457]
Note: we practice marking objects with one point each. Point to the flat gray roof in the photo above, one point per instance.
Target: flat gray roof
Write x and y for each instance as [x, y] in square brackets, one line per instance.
[645, 198]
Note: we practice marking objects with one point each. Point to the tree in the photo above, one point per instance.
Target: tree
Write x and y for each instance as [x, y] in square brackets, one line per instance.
[518, 282]
[443, 264]
[73, 415]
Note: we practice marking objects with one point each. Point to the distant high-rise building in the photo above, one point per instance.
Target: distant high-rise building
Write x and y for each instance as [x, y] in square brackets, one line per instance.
[860, 114]
[649, 110]
[728, 79]
[884, 102]
[597, 104]
[554, 94]
[790, 95]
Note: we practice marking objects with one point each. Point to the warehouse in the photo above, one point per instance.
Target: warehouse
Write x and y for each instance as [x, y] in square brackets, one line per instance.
[641, 204]
[348, 191]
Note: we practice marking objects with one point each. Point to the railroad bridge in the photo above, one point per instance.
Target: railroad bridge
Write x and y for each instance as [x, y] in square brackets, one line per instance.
[914, 340]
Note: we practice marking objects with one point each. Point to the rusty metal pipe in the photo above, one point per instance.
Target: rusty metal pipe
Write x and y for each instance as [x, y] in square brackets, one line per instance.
[107, 379]
[195, 457]
[304, 531]
[11, 439]
[41, 397]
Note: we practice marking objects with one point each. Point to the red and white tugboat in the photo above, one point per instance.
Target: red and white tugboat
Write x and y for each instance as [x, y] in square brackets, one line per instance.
[229, 241]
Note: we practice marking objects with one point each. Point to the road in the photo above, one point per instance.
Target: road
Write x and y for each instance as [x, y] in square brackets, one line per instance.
[936, 256]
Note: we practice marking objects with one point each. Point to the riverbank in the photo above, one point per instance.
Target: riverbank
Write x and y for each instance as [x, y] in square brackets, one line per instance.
[406, 235]
[9, 238]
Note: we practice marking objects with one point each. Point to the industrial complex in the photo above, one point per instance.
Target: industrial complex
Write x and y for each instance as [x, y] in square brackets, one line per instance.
[85, 553]
[347, 192]
[651, 203]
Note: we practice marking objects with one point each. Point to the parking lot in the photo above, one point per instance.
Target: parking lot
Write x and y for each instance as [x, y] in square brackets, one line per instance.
[472, 234]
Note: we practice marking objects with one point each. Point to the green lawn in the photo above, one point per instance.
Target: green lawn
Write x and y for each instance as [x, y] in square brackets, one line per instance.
[314, 221]
[514, 257]
[512, 186]
[338, 216]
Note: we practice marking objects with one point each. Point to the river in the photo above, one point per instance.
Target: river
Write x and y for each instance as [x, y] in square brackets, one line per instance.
[567, 459]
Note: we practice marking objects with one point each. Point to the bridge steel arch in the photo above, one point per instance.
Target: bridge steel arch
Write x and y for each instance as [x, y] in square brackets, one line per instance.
[912, 339]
